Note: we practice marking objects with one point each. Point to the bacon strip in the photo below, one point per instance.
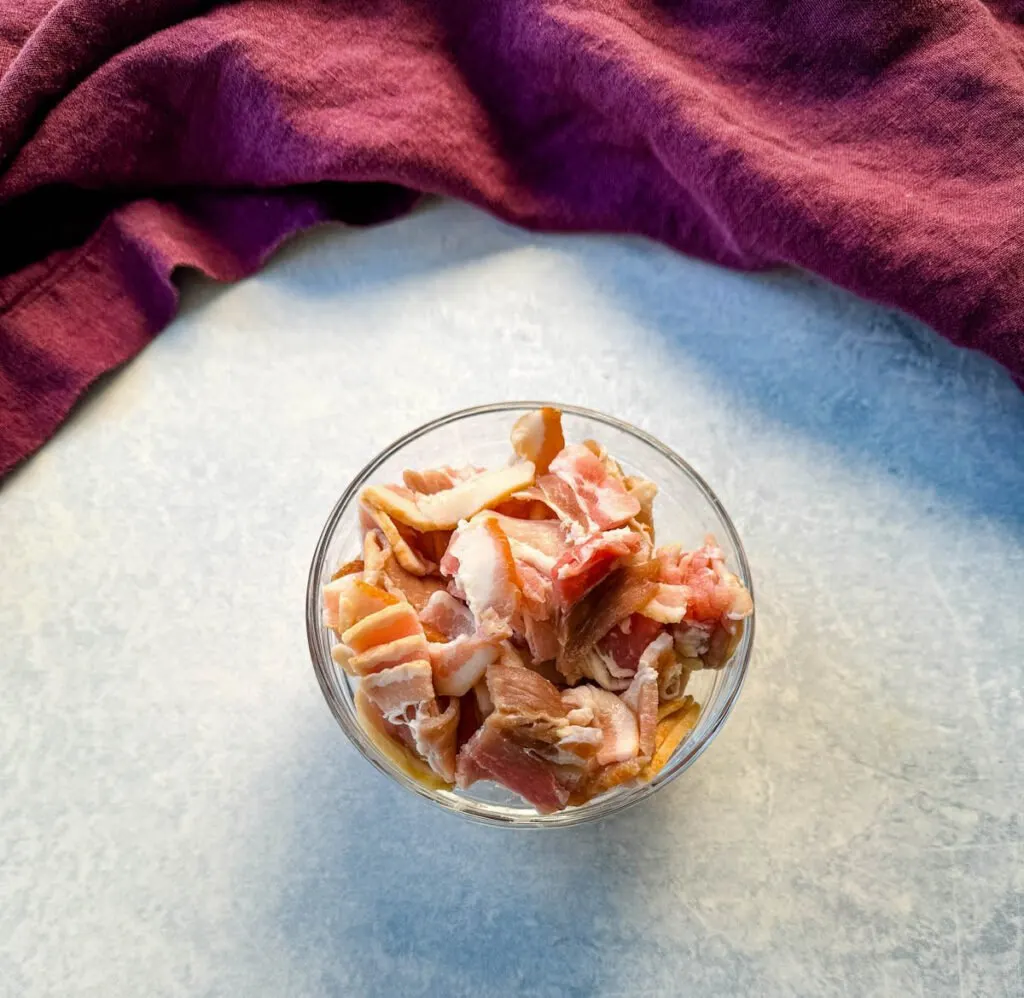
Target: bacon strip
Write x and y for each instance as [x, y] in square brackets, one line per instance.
[537, 437]
[491, 754]
[411, 649]
[715, 592]
[447, 615]
[601, 495]
[407, 557]
[395, 743]
[435, 735]
[617, 598]
[669, 604]
[444, 510]
[394, 691]
[396, 621]
[583, 566]
[433, 480]
[480, 564]
[461, 663]
[620, 736]
[642, 695]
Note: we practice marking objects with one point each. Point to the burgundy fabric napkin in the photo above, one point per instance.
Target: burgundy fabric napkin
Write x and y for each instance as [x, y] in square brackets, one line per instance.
[879, 144]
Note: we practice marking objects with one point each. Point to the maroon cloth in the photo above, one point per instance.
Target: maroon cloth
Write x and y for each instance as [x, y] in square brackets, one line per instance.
[878, 144]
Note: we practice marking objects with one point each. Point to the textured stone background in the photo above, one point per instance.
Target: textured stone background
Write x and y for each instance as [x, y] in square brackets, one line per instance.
[179, 813]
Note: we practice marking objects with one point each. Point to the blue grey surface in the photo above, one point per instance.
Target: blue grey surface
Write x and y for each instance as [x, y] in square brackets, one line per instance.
[181, 816]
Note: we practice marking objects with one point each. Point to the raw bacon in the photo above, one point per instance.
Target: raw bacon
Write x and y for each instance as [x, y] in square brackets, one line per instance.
[517, 624]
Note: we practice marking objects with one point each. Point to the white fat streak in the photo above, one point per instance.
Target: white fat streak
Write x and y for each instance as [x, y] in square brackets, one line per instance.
[478, 565]
[646, 671]
[532, 556]
[661, 644]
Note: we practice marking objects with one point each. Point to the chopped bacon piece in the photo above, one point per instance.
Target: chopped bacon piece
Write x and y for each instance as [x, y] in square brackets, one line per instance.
[353, 567]
[617, 598]
[535, 546]
[526, 506]
[448, 616]
[541, 638]
[538, 437]
[715, 593]
[459, 664]
[668, 606]
[673, 676]
[435, 735]
[707, 644]
[350, 599]
[559, 497]
[376, 554]
[521, 694]
[332, 594]
[395, 743]
[693, 639]
[642, 695]
[410, 649]
[542, 542]
[396, 621]
[531, 708]
[600, 780]
[408, 586]
[669, 735]
[491, 754]
[601, 667]
[644, 492]
[620, 736]
[480, 564]
[582, 567]
[394, 691]
[601, 495]
[407, 557]
[611, 466]
[444, 510]
[434, 480]
[626, 642]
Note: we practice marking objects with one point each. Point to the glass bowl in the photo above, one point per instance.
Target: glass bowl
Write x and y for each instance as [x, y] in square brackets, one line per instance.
[685, 511]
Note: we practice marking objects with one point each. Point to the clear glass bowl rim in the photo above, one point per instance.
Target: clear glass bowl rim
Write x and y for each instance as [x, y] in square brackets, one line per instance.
[687, 753]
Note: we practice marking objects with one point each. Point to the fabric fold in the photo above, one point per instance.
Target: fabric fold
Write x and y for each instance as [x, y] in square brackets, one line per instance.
[878, 146]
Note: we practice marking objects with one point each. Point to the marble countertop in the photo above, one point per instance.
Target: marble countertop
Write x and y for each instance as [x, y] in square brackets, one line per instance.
[180, 815]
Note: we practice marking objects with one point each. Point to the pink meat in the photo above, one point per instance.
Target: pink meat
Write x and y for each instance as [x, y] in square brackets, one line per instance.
[435, 735]
[559, 497]
[523, 694]
[618, 724]
[602, 496]
[434, 480]
[536, 546]
[480, 564]
[491, 754]
[448, 616]
[394, 691]
[541, 638]
[625, 643]
[714, 592]
[459, 664]
[642, 695]
[585, 565]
